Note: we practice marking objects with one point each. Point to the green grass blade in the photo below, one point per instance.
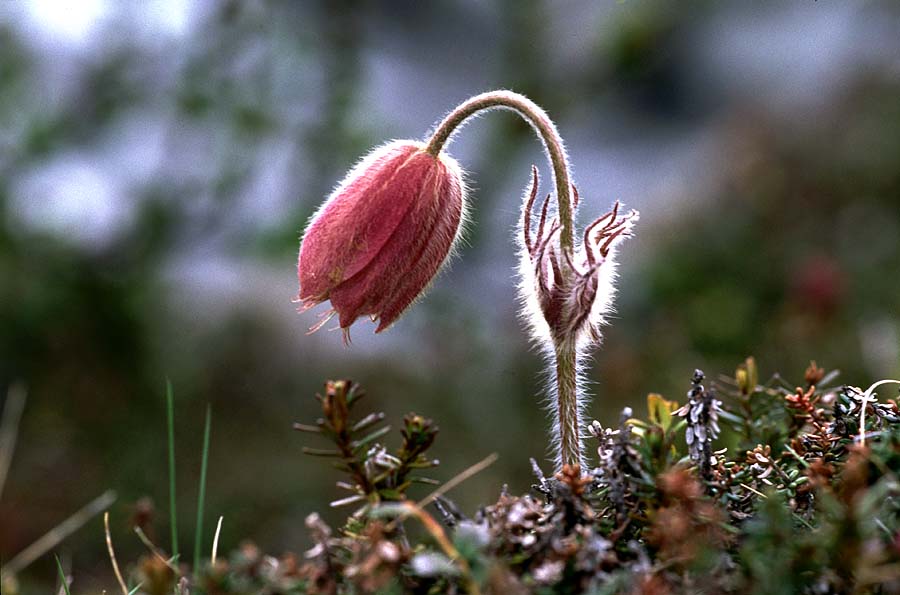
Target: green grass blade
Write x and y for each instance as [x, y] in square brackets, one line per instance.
[173, 517]
[62, 575]
[201, 494]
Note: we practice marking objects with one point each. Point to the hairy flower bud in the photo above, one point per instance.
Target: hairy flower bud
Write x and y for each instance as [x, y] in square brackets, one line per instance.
[381, 237]
[567, 295]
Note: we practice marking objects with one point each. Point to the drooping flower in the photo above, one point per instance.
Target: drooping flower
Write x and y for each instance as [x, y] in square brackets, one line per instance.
[567, 295]
[381, 237]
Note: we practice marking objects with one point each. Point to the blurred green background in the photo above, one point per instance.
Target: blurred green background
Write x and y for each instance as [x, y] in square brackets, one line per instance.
[158, 161]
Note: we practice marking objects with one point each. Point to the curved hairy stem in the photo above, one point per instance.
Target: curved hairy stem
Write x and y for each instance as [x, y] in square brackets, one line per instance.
[565, 351]
[545, 129]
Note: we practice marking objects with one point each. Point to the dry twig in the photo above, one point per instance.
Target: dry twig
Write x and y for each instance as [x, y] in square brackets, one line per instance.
[53, 537]
[112, 554]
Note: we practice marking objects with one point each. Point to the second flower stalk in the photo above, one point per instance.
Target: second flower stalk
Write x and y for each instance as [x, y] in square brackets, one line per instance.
[381, 237]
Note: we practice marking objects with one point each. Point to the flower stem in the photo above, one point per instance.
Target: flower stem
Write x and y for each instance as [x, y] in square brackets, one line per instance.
[546, 130]
[567, 404]
[564, 350]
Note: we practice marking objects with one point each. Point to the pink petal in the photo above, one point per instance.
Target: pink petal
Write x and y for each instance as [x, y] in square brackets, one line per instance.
[364, 293]
[411, 257]
[429, 259]
[359, 217]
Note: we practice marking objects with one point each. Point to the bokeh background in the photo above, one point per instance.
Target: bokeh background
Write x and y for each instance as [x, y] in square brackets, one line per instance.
[158, 161]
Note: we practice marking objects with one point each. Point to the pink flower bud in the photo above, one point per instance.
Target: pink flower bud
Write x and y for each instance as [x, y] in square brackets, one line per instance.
[377, 242]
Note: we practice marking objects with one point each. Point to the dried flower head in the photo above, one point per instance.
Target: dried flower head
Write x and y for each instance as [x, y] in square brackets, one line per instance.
[381, 237]
[702, 413]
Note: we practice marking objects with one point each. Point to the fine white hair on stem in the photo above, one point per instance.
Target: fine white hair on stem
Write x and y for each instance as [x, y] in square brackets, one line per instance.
[528, 117]
[564, 301]
[550, 403]
[540, 335]
[543, 127]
